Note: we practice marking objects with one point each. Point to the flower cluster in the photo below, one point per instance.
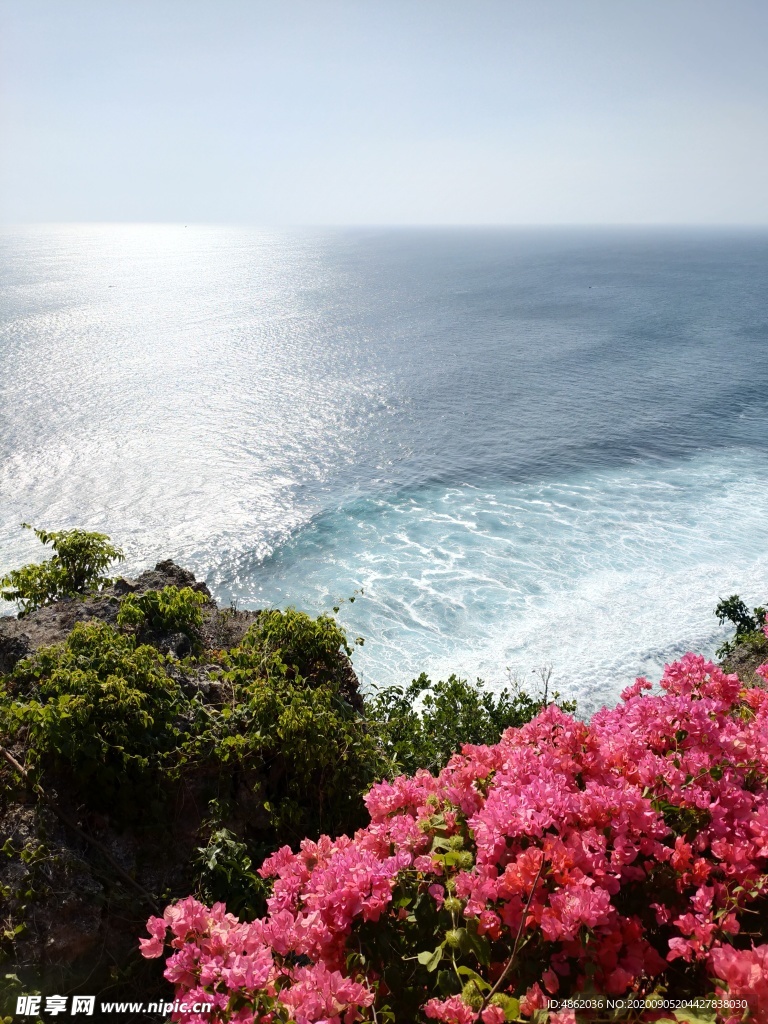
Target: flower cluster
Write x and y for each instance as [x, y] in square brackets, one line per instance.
[231, 965]
[568, 859]
[744, 974]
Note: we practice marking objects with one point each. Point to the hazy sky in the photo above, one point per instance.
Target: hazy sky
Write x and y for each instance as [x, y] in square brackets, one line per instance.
[384, 111]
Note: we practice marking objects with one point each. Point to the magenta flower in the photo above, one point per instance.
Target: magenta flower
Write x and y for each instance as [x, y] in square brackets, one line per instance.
[610, 854]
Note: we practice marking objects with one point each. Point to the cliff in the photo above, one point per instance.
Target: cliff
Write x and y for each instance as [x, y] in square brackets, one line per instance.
[80, 870]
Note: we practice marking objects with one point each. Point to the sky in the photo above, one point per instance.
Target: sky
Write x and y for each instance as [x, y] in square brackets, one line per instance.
[384, 112]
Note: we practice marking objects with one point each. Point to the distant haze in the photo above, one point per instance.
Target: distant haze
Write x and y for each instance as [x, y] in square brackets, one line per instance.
[385, 112]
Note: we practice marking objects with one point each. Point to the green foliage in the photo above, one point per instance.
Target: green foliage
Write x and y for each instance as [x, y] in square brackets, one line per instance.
[424, 723]
[749, 626]
[97, 708]
[291, 643]
[170, 610]
[30, 884]
[103, 710]
[77, 566]
[11, 987]
[225, 874]
[290, 720]
[278, 737]
[428, 948]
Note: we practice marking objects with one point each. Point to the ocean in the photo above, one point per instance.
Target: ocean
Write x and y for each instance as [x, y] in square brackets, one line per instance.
[516, 448]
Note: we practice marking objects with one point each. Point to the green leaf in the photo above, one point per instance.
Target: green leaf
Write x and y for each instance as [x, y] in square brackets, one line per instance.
[480, 946]
[446, 983]
[508, 1004]
[470, 975]
[431, 960]
[440, 843]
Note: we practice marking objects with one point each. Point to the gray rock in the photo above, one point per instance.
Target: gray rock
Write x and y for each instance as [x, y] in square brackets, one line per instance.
[80, 917]
[20, 637]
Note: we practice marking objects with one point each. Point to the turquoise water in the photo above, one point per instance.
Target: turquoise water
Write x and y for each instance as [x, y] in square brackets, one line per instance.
[525, 447]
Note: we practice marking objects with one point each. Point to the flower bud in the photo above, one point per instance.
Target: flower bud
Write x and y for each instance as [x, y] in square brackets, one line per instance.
[472, 995]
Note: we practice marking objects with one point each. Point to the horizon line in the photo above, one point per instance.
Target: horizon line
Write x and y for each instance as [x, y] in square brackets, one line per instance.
[373, 225]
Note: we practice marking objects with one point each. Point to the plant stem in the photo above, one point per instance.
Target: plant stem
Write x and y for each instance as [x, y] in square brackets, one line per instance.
[508, 966]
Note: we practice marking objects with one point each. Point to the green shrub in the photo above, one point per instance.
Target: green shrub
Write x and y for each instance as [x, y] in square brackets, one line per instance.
[278, 744]
[424, 723]
[103, 711]
[292, 728]
[170, 610]
[749, 626]
[274, 738]
[226, 875]
[97, 710]
[78, 566]
[291, 643]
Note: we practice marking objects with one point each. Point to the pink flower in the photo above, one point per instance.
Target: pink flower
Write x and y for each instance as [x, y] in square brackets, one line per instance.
[534, 999]
[573, 907]
[451, 1011]
[320, 995]
[151, 948]
[492, 1015]
[563, 1017]
[437, 892]
[551, 981]
[745, 974]
[659, 805]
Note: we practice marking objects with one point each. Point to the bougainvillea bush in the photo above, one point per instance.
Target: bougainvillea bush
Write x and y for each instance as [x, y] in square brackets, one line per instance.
[626, 858]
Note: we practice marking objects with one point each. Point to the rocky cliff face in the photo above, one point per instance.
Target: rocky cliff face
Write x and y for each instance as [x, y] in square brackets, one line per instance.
[81, 914]
[52, 624]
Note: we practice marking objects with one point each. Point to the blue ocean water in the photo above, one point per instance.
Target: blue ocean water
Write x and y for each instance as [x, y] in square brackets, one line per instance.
[525, 447]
